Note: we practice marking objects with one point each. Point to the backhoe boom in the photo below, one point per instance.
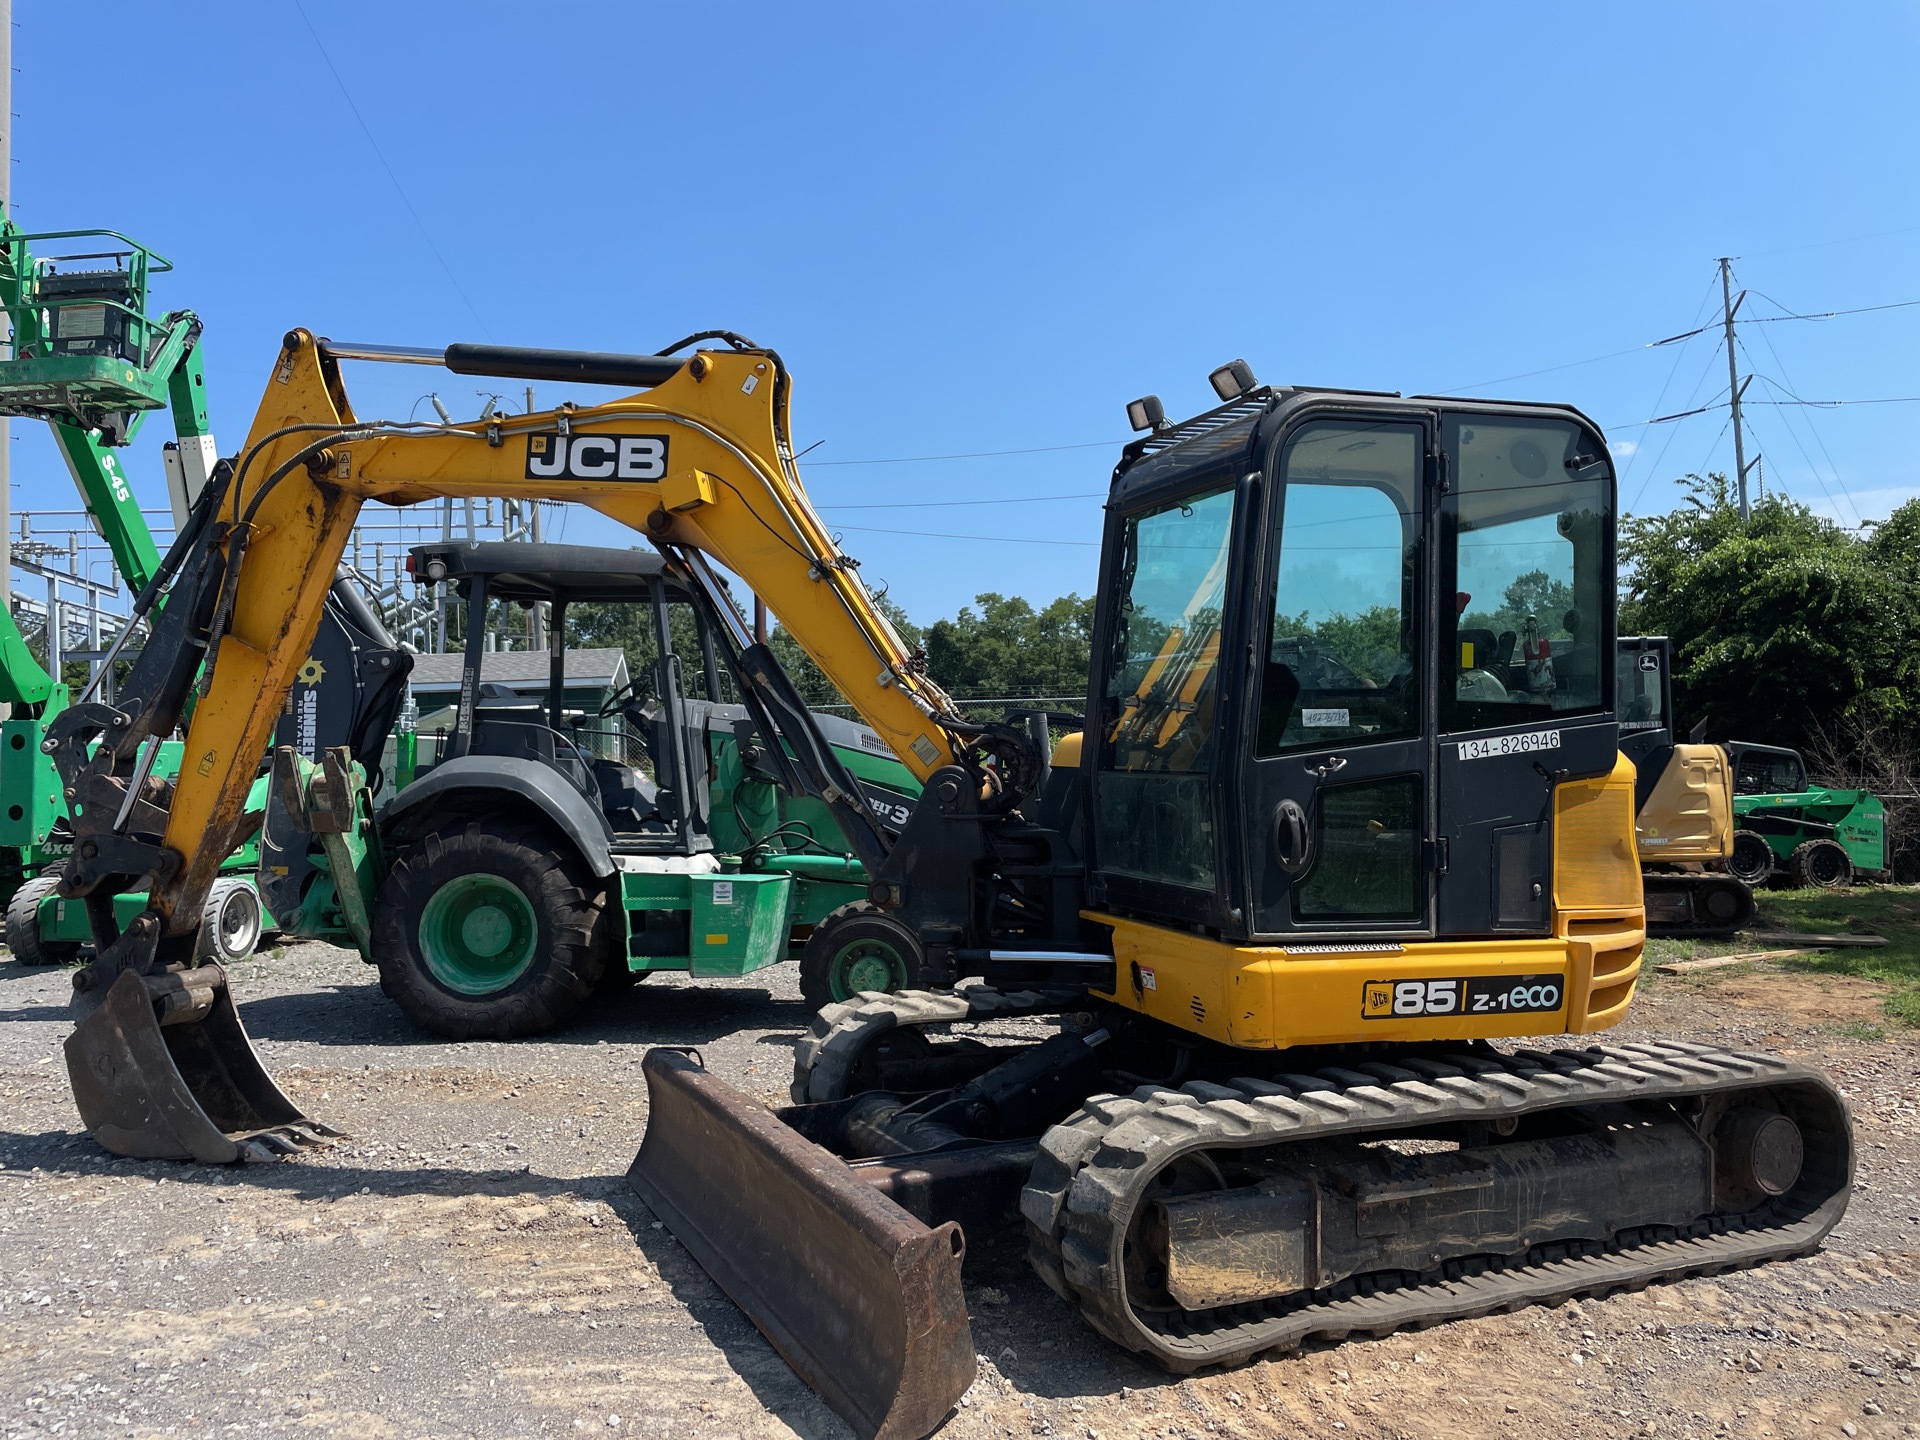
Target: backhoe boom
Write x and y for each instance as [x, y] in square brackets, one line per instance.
[700, 462]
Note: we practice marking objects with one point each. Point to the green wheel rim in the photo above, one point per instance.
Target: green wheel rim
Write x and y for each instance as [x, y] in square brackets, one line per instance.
[867, 965]
[477, 934]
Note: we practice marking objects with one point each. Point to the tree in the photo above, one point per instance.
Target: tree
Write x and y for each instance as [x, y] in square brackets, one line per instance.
[1368, 642]
[1781, 626]
[811, 681]
[1535, 593]
[1007, 650]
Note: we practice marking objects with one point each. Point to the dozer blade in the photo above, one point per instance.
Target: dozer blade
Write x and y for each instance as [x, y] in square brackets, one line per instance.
[163, 1070]
[862, 1299]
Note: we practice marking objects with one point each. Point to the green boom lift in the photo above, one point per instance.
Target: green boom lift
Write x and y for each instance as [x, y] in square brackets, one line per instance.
[89, 361]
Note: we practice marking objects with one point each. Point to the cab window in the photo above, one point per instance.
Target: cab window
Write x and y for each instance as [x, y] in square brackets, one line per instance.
[1527, 611]
[1153, 803]
[1341, 652]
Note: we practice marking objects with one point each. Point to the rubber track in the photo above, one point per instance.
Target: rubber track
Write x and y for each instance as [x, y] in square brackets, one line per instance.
[1093, 1167]
[826, 1055]
[1702, 930]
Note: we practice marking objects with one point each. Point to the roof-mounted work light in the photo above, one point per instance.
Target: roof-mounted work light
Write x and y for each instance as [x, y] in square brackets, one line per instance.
[1232, 380]
[1146, 413]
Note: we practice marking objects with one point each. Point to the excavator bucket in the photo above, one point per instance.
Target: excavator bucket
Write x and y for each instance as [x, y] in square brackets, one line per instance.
[862, 1299]
[163, 1070]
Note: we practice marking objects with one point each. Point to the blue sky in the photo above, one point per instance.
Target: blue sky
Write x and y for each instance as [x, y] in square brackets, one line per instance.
[986, 227]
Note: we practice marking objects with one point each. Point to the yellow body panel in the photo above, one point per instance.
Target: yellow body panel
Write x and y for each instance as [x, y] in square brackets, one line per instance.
[1322, 991]
[1688, 817]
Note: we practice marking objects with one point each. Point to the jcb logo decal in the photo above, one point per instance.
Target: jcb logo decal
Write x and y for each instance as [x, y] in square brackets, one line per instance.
[596, 457]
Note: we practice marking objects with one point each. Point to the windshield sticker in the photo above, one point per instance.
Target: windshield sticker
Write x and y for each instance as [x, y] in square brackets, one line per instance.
[1510, 744]
[1324, 719]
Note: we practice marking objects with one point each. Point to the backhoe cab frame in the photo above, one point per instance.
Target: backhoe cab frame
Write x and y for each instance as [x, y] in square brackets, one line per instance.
[715, 855]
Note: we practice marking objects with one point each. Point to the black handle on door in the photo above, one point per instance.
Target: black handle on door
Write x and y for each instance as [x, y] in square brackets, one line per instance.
[1292, 838]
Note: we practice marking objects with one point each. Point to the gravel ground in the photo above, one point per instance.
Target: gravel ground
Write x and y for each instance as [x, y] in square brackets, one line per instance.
[471, 1262]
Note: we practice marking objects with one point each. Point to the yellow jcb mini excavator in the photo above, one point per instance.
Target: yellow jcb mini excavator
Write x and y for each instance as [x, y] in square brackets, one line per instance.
[1320, 842]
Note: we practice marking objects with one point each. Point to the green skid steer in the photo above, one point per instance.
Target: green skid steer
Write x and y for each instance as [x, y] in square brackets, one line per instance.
[1811, 836]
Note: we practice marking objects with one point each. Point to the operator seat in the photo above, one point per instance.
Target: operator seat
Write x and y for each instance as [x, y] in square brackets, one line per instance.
[512, 728]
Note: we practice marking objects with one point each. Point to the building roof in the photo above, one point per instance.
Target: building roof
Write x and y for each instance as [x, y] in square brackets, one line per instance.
[522, 670]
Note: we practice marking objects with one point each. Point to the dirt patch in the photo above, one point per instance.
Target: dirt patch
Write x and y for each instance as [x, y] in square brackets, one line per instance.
[1805, 1000]
[470, 1261]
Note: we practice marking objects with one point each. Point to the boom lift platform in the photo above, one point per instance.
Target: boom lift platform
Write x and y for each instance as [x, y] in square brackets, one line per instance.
[89, 361]
[1267, 914]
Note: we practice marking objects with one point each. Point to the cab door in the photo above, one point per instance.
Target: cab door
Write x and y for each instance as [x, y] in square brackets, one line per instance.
[1524, 546]
[1339, 804]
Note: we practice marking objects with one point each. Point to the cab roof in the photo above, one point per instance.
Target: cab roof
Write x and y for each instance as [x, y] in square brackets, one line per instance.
[518, 570]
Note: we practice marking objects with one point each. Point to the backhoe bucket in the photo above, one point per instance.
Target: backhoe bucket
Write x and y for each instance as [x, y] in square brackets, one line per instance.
[862, 1299]
[163, 1070]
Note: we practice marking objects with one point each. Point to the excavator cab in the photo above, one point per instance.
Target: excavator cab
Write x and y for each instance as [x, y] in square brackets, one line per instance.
[1425, 589]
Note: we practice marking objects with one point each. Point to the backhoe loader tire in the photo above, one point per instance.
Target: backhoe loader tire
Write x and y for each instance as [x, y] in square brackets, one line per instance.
[490, 931]
[1821, 865]
[1752, 859]
[24, 939]
[857, 949]
[230, 925]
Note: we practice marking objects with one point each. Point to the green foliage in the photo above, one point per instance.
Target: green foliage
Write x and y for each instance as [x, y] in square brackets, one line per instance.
[1535, 594]
[1783, 626]
[1367, 642]
[1007, 649]
[629, 627]
[814, 686]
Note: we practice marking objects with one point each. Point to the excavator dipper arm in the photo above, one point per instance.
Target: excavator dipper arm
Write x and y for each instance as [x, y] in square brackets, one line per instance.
[700, 462]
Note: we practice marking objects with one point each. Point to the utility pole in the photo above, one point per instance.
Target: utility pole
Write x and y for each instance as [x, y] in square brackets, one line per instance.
[6, 212]
[1734, 384]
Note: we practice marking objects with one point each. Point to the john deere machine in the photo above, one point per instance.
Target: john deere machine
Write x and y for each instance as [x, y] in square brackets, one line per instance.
[89, 361]
[660, 830]
[1261, 920]
[1683, 803]
[1808, 835]
[1716, 820]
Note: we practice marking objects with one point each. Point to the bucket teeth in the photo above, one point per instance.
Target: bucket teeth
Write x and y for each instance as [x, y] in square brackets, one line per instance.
[191, 1090]
[283, 1140]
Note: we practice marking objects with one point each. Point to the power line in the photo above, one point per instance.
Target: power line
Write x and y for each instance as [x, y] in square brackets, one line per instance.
[1680, 355]
[1767, 340]
[994, 539]
[1551, 369]
[948, 504]
[380, 155]
[1836, 404]
[1823, 314]
[972, 454]
[1692, 395]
